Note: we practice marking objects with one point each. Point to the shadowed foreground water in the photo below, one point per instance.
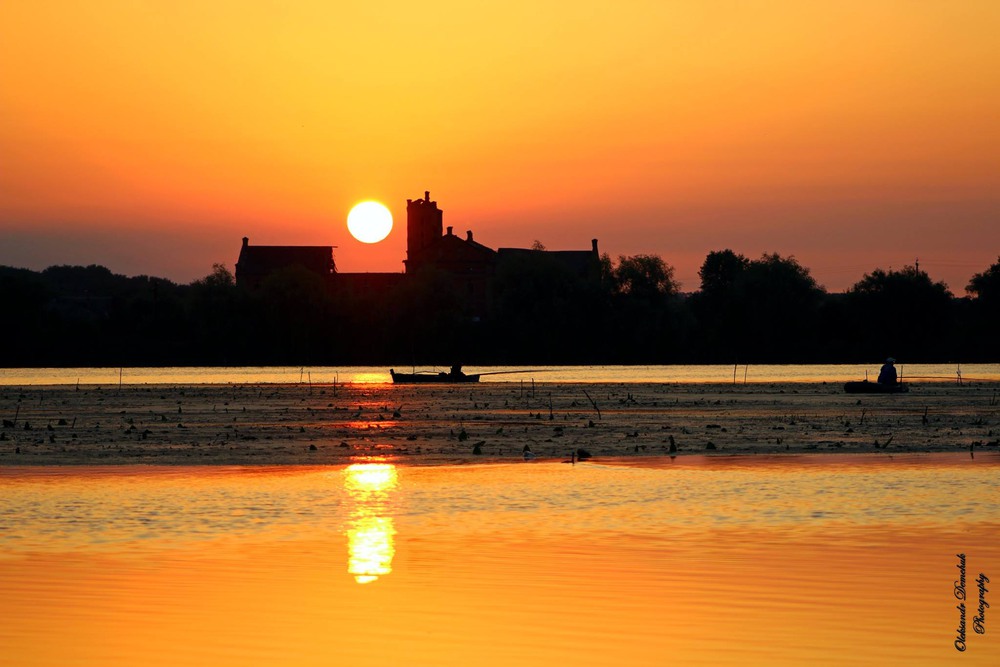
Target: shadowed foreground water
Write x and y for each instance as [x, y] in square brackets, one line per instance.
[698, 561]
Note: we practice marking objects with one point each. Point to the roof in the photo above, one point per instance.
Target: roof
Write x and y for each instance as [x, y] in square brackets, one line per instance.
[580, 262]
[453, 253]
[260, 259]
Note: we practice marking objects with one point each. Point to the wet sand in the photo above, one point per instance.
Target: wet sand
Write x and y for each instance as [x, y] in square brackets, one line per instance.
[327, 424]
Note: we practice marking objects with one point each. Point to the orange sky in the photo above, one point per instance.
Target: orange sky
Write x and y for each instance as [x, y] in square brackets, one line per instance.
[150, 137]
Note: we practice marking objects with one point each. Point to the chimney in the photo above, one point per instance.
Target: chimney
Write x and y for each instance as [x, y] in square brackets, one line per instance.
[427, 195]
[246, 241]
[449, 230]
[468, 235]
[593, 245]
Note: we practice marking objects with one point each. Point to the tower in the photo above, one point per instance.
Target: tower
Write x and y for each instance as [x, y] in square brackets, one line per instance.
[424, 222]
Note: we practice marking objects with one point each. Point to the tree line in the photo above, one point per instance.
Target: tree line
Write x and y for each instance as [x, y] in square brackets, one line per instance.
[630, 310]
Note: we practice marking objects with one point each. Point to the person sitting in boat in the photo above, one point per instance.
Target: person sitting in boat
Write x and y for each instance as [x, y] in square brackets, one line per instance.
[456, 372]
[888, 373]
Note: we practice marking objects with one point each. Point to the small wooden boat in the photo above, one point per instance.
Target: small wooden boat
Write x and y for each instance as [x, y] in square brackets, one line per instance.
[455, 376]
[866, 387]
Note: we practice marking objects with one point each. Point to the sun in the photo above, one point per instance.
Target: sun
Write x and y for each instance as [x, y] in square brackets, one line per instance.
[369, 222]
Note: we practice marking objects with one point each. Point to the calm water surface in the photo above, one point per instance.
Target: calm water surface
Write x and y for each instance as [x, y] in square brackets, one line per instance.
[698, 561]
[367, 374]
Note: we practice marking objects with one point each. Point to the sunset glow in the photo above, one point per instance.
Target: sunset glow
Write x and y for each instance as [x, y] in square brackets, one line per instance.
[852, 135]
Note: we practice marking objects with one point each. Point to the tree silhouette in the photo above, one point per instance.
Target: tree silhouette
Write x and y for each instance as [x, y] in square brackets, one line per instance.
[754, 310]
[543, 310]
[720, 271]
[644, 321]
[645, 277]
[984, 313]
[780, 302]
[986, 285]
[901, 313]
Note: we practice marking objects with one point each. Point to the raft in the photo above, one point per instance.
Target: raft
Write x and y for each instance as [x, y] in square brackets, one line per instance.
[866, 387]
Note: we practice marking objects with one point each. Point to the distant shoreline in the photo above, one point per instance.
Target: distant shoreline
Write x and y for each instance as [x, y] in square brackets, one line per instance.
[711, 374]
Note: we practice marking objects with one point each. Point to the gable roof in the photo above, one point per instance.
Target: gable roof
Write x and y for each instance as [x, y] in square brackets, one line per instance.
[451, 246]
[263, 259]
[455, 254]
[579, 262]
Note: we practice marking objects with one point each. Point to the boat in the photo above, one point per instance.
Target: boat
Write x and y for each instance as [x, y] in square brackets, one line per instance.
[866, 387]
[453, 377]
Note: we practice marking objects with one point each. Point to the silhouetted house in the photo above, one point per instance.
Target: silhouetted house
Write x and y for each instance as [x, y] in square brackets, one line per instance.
[257, 262]
[584, 264]
[470, 264]
[430, 247]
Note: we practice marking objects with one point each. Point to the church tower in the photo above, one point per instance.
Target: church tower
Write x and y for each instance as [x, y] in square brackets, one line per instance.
[424, 222]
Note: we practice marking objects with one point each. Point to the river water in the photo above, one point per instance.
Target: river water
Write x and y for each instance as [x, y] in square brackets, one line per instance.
[739, 374]
[756, 560]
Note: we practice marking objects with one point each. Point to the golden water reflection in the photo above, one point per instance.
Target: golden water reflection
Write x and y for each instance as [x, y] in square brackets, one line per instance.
[761, 561]
[371, 531]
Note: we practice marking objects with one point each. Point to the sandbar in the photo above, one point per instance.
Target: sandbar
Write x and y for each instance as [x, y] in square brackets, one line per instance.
[288, 424]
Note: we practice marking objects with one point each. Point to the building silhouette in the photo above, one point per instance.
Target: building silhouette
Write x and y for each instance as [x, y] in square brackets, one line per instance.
[257, 263]
[470, 266]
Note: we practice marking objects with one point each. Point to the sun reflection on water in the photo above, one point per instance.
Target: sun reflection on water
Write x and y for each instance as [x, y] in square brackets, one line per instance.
[371, 532]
